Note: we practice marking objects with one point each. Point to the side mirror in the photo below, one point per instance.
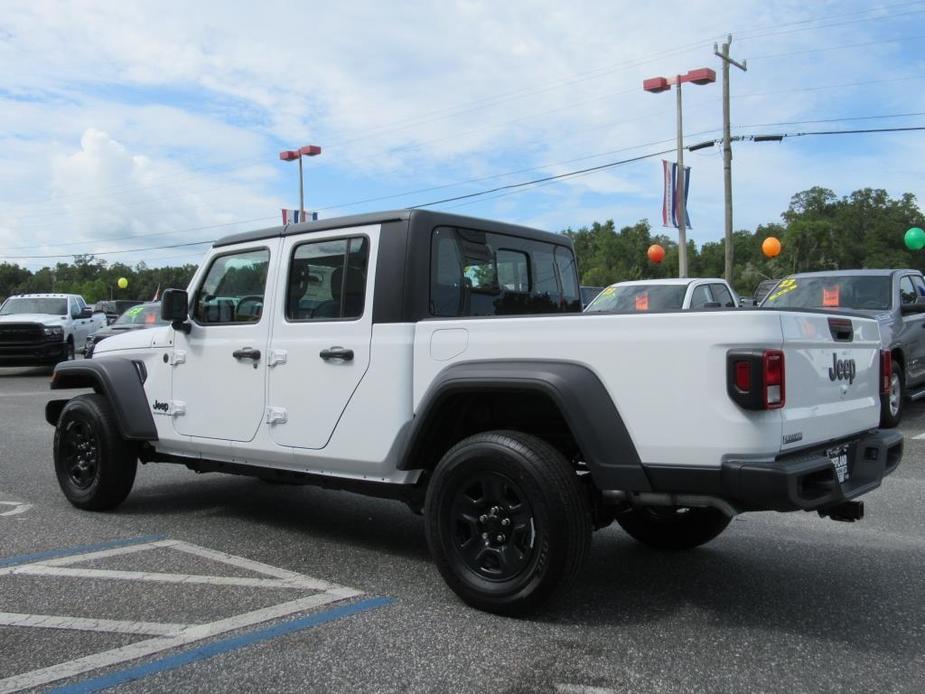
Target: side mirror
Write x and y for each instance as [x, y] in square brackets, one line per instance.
[86, 312]
[175, 308]
[917, 307]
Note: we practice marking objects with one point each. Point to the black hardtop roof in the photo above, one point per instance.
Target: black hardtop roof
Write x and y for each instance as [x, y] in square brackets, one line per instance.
[425, 218]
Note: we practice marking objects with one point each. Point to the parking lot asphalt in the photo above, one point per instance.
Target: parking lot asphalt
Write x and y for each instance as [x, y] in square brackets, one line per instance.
[346, 600]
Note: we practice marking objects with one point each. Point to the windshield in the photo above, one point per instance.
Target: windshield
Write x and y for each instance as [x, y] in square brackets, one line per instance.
[859, 292]
[639, 297]
[56, 307]
[142, 315]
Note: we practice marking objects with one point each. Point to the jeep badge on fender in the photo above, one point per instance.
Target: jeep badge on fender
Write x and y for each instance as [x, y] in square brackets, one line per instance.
[842, 369]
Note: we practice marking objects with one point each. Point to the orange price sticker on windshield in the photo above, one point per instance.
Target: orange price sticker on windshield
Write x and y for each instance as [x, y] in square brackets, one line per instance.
[642, 301]
[830, 296]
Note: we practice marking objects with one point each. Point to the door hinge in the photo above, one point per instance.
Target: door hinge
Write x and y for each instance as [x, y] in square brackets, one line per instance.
[277, 415]
[277, 356]
[178, 356]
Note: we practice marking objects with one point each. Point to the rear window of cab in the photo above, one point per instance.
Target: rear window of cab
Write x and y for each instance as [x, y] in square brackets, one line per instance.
[479, 273]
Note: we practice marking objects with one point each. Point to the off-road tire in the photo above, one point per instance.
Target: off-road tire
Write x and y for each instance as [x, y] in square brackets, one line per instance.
[531, 480]
[667, 527]
[889, 420]
[69, 353]
[94, 464]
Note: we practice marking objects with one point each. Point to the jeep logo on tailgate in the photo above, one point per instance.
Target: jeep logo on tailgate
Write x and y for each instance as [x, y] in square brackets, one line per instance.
[842, 369]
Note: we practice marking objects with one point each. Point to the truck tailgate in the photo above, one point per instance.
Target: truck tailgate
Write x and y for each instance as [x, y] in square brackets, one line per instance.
[832, 377]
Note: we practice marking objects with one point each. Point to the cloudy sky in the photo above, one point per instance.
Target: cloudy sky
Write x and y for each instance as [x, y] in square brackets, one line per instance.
[126, 126]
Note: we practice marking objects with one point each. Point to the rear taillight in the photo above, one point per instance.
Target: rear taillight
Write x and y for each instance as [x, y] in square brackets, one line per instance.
[886, 371]
[773, 363]
[756, 379]
[743, 375]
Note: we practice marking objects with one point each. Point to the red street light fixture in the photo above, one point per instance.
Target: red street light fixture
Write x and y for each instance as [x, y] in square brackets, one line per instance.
[655, 85]
[293, 155]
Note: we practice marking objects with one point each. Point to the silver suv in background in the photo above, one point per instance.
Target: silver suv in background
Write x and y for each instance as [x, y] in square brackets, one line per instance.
[664, 295]
[895, 298]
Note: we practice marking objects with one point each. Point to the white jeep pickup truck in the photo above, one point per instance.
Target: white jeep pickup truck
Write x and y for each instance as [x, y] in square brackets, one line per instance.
[444, 361]
[38, 329]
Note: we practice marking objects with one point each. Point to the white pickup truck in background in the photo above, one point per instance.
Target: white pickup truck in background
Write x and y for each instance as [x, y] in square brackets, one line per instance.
[39, 329]
[444, 361]
[674, 294]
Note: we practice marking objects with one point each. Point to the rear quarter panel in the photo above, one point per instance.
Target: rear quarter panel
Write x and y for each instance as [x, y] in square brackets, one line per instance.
[665, 372]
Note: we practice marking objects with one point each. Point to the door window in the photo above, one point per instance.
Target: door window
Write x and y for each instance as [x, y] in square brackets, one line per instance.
[919, 284]
[327, 280]
[722, 295]
[233, 289]
[701, 297]
[907, 292]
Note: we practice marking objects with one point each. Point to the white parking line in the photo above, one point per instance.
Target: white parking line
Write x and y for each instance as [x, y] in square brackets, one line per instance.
[43, 676]
[18, 507]
[116, 626]
[919, 436]
[157, 577]
[582, 689]
[166, 635]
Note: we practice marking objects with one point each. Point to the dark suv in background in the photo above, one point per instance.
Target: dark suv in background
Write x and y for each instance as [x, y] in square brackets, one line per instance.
[895, 298]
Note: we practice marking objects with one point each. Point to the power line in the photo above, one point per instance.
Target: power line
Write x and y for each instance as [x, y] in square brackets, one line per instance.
[826, 26]
[501, 98]
[829, 86]
[787, 54]
[833, 120]
[509, 187]
[856, 132]
[556, 177]
[436, 202]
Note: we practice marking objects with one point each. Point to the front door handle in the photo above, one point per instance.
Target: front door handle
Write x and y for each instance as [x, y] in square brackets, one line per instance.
[246, 353]
[336, 353]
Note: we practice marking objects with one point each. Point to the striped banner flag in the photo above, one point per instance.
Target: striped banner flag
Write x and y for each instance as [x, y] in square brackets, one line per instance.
[670, 195]
[296, 216]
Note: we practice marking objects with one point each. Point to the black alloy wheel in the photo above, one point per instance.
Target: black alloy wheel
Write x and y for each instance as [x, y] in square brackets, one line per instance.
[492, 527]
[94, 465]
[508, 523]
[80, 450]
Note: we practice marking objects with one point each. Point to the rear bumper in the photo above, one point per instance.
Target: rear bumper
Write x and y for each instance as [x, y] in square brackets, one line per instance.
[32, 354]
[806, 480]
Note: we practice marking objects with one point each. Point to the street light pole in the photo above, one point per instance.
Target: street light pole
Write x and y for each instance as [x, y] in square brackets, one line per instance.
[682, 208]
[655, 85]
[292, 155]
[301, 191]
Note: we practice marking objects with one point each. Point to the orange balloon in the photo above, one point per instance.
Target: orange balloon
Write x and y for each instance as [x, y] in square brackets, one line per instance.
[771, 247]
[656, 253]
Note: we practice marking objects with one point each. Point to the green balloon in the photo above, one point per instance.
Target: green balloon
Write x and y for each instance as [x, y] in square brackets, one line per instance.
[915, 239]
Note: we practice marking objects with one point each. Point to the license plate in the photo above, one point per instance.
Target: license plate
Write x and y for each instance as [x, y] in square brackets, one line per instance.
[839, 458]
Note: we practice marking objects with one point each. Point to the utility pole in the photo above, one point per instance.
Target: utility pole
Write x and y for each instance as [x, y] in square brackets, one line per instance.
[682, 208]
[727, 148]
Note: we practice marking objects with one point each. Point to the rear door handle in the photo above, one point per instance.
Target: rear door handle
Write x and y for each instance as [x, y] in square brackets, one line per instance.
[246, 353]
[336, 353]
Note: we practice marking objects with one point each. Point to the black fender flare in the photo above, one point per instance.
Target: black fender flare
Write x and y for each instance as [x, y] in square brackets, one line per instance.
[120, 380]
[584, 402]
